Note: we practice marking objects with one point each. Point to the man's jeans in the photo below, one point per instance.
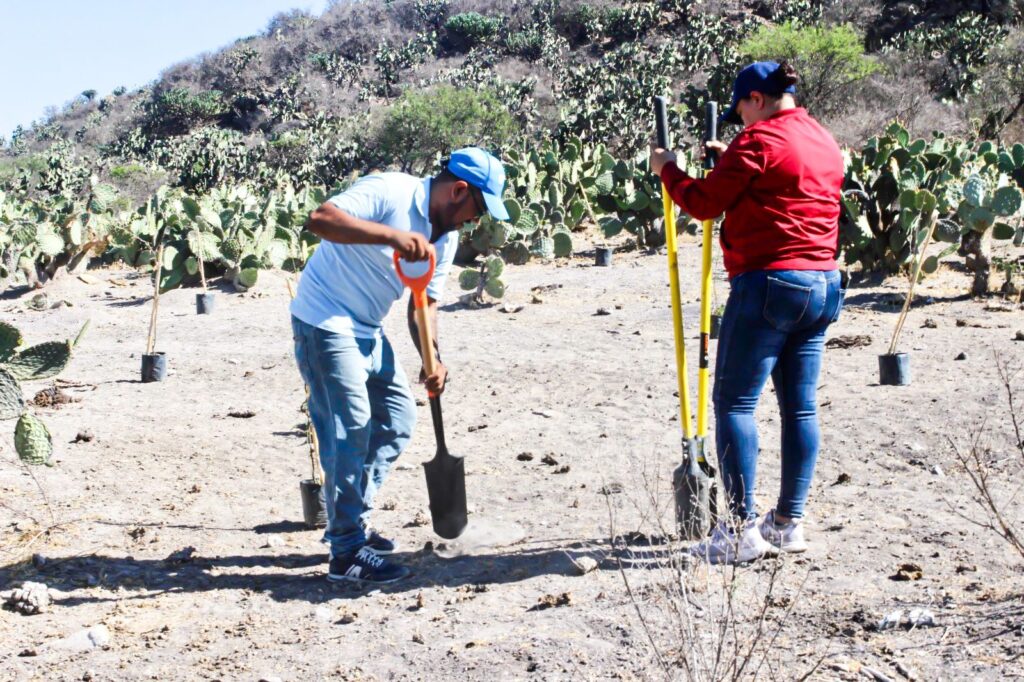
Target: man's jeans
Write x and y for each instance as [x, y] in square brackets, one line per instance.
[363, 412]
[774, 324]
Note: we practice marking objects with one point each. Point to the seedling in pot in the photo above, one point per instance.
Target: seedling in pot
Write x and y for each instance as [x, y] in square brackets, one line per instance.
[716, 321]
[314, 507]
[154, 365]
[894, 367]
[199, 244]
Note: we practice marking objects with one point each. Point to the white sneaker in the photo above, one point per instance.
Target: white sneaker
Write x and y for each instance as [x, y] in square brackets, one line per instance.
[787, 537]
[726, 547]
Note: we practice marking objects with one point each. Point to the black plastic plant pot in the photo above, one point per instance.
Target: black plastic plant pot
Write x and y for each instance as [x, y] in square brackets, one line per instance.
[716, 326]
[603, 257]
[894, 370]
[154, 367]
[205, 303]
[314, 509]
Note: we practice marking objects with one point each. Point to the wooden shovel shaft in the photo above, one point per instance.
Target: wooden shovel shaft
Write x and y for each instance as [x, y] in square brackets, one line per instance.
[425, 332]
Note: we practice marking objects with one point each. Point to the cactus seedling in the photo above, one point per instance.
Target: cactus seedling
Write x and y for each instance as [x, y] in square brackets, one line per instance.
[32, 439]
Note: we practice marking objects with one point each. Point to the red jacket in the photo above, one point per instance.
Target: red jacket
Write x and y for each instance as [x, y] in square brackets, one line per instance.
[779, 185]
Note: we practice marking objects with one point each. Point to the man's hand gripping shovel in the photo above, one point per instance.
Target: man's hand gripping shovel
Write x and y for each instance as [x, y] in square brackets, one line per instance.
[694, 480]
[446, 473]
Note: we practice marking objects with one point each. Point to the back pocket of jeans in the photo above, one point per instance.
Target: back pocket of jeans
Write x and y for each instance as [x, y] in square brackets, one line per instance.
[785, 303]
[839, 306]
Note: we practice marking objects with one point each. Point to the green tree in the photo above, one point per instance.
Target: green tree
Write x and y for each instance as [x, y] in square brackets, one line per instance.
[830, 61]
[424, 125]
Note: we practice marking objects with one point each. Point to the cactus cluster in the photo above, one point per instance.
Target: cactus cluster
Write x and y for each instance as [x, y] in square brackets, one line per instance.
[32, 439]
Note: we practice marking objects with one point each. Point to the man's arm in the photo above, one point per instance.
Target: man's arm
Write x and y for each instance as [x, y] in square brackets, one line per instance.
[332, 224]
[435, 382]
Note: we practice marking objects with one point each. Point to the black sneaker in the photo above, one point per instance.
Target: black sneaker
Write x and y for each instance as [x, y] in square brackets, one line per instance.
[364, 566]
[379, 544]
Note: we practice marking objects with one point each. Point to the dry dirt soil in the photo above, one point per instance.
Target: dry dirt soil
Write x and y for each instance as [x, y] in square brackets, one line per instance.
[174, 521]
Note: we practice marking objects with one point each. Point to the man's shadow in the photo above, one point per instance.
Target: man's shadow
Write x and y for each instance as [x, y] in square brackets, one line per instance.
[287, 577]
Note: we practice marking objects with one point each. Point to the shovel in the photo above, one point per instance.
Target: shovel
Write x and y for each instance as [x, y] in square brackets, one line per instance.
[693, 481]
[446, 473]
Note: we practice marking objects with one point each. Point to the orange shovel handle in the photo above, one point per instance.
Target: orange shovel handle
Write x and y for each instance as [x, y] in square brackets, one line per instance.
[418, 285]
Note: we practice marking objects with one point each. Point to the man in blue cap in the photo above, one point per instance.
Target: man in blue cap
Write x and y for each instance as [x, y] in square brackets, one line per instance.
[360, 402]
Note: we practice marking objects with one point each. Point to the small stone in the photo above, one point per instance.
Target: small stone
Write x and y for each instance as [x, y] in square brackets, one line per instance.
[564, 469]
[602, 311]
[525, 456]
[84, 436]
[921, 618]
[908, 571]
[890, 620]
[584, 565]
[274, 541]
[511, 308]
[96, 637]
[323, 614]
[421, 519]
[38, 560]
[417, 637]
[930, 324]
[549, 460]
[29, 599]
[937, 470]
[1019, 336]
[843, 479]
[961, 356]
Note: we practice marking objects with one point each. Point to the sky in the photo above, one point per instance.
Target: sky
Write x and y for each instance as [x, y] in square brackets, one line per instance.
[50, 51]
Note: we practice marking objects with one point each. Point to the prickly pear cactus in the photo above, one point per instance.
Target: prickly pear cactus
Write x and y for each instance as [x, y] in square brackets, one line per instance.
[42, 361]
[32, 440]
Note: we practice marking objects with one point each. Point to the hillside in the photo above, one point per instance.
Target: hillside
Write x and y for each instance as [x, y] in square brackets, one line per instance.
[308, 98]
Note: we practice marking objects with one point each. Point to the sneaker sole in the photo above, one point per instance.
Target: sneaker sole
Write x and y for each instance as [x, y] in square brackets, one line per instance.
[331, 577]
[382, 552]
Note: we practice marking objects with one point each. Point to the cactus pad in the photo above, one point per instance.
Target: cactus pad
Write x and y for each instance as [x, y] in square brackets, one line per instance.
[469, 279]
[43, 361]
[543, 247]
[976, 190]
[563, 244]
[12, 402]
[10, 341]
[1006, 201]
[516, 253]
[495, 288]
[32, 440]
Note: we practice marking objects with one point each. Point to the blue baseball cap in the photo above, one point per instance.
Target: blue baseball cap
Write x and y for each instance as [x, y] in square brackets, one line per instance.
[758, 77]
[483, 171]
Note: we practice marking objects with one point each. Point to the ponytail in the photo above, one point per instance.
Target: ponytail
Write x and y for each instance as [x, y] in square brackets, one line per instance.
[782, 78]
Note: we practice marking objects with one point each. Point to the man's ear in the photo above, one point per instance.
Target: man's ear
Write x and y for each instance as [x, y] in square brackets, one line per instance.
[459, 189]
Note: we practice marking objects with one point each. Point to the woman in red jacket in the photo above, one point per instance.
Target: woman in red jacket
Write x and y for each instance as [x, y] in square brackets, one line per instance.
[778, 184]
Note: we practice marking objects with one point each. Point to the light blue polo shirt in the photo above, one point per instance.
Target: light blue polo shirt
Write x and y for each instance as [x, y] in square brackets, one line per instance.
[349, 288]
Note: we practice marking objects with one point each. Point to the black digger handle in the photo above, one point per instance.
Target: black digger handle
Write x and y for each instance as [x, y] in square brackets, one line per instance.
[710, 133]
[435, 413]
[661, 121]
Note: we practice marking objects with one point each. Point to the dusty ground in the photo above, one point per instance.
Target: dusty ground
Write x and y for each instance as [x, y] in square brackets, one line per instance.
[168, 469]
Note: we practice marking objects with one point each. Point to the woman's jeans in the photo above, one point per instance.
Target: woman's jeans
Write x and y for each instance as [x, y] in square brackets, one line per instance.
[363, 412]
[774, 324]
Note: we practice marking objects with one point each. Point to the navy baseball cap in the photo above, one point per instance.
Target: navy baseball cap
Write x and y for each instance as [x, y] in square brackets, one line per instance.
[483, 171]
[758, 77]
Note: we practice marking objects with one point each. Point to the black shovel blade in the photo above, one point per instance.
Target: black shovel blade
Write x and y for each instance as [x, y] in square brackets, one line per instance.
[446, 487]
[694, 485]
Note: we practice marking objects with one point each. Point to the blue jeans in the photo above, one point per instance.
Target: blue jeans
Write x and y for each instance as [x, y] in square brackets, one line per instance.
[774, 324]
[363, 412]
